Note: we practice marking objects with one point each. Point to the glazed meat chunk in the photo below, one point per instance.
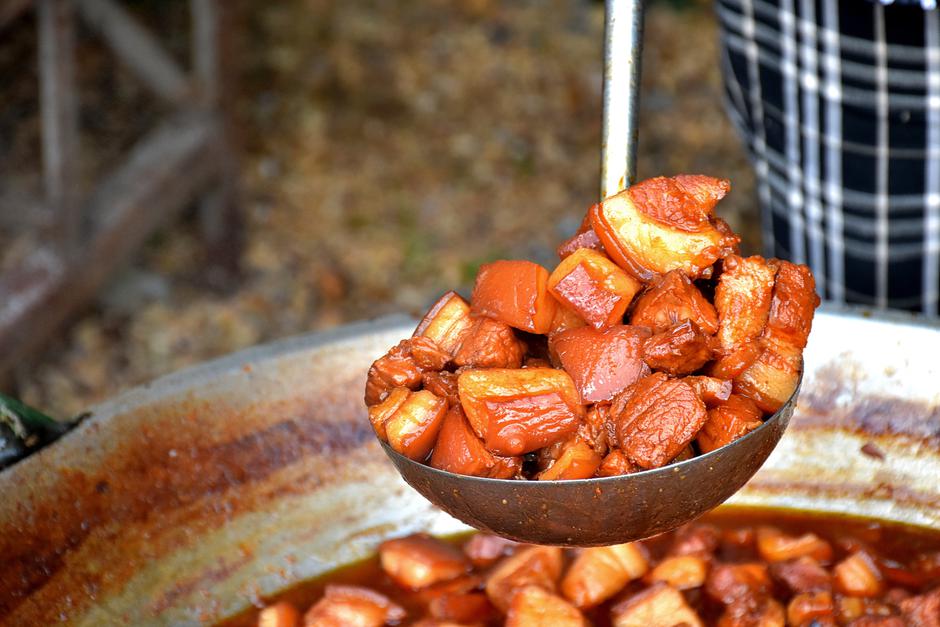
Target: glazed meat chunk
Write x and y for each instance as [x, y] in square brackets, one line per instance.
[353, 606]
[591, 285]
[658, 605]
[445, 322]
[459, 450]
[489, 343]
[601, 363]
[656, 226]
[672, 299]
[514, 292]
[656, 418]
[535, 565]
[681, 349]
[598, 573]
[532, 606]
[418, 561]
[742, 299]
[728, 421]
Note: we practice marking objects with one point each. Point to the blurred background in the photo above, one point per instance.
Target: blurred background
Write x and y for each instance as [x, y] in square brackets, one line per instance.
[385, 149]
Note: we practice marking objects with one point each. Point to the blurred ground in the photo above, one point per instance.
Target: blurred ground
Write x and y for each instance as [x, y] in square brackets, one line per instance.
[391, 147]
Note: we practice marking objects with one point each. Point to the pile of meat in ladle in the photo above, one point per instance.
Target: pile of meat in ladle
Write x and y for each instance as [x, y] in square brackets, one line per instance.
[652, 341]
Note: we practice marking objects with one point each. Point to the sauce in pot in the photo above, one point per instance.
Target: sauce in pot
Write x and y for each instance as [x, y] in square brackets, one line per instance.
[734, 567]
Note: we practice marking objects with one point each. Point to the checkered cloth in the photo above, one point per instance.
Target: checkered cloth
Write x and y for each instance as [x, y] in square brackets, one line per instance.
[839, 103]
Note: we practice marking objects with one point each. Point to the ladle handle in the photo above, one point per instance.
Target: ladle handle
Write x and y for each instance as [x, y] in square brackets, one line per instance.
[623, 48]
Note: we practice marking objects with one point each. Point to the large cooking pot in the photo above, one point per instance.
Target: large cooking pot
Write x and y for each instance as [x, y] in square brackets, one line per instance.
[186, 500]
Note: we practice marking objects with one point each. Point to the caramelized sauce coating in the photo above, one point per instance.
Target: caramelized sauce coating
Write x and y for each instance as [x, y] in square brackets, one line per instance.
[673, 299]
[594, 287]
[601, 363]
[682, 349]
[728, 421]
[514, 292]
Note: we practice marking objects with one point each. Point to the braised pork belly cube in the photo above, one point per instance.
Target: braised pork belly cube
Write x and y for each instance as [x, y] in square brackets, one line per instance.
[734, 363]
[922, 610]
[483, 549]
[850, 609]
[514, 292]
[459, 450]
[695, 539]
[711, 390]
[656, 226]
[858, 575]
[281, 614]
[519, 411]
[792, 306]
[596, 428]
[656, 418]
[462, 607]
[443, 384]
[598, 573]
[776, 546]
[729, 583]
[657, 605]
[489, 343]
[802, 575]
[397, 368]
[594, 287]
[742, 299]
[807, 607]
[418, 561]
[728, 421]
[585, 237]
[681, 349]
[601, 363]
[682, 572]
[565, 318]
[533, 606]
[384, 410]
[576, 460]
[772, 378]
[446, 322]
[352, 606]
[412, 427]
[761, 612]
[533, 565]
[616, 463]
[671, 299]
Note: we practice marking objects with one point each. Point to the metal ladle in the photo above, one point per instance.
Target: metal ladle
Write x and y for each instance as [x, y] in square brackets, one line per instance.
[609, 510]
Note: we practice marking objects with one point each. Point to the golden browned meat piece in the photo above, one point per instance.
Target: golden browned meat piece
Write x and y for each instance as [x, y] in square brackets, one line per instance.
[671, 299]
[680, 350]
[601, 363]
[576, 460]
[419, 560]
[444, 385]
[771, 378]
[792, 306]
[533, 606]
[397, 368]
[731, 365]
[711, 390]
[353, 606]
[281, 614]
[656, 226]
[519, 411]
[657, 605]
[534, 565]
[858, 575]
[598, 573]
[776, 546]
[682, 572]
[656, 418]
[445, 322]
[616, 463]
[489, 343]
[742, 299]
[409, 421]
[728, 421]
[594, 287]
[459, 450]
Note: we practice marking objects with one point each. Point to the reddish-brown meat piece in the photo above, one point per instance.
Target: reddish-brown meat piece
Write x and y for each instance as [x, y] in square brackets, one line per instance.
[858, 575]
[353, 606]
[616, 463]
[811, 606]
[923, 610]
[483, 549]
[655, 227]
[601, 363]
[705, 190]
[656, 418]
[771, 379]
[711, 390]
[729, 583]
[462, 607]
[598, 573]
[742, 299]
[518, 411]
[731, 365]
[418, 561]
[444, 385]
[802, 575]
[281, 614]
[695, 539]
[728, 421]
[535, 565]
[397, 368]
[686, 202]
[682, 572]
[515, 292]
[581, 239]
[596, 428]
[672, 299]
[458, 448]
[680, 350]
[594, 287]
[760, 612]
[792, 307]
[489, 343]
[565, 318]
[776, 546]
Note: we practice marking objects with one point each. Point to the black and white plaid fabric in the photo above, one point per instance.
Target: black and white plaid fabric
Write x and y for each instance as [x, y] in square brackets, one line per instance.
[839, 102]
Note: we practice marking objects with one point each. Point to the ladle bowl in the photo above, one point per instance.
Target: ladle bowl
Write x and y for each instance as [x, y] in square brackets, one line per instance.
[608, 510]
